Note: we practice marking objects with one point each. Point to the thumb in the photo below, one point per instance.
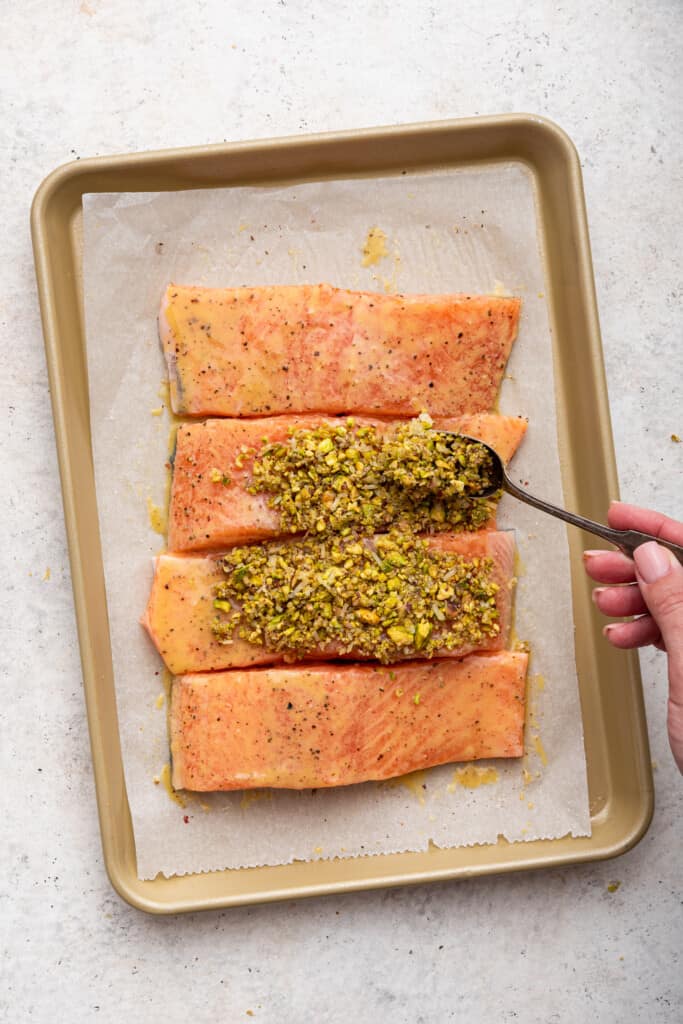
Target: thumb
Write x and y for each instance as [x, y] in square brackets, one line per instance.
[660, 578]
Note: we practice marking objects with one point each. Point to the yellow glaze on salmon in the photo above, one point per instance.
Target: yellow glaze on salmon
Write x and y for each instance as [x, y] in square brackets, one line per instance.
[333, 725]
[207, 513]
[315, 348]
[180, 611]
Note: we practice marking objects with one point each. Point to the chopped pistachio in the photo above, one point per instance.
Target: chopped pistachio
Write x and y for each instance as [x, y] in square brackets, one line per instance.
[422, 633]
[400, 636]
[367, 616]
[382, 597]
[217, 477]
[341, 475]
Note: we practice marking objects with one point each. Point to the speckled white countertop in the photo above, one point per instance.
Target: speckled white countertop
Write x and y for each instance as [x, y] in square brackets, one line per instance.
[81, 79]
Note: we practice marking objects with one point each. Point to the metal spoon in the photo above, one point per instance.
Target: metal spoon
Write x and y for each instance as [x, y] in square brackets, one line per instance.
[626, 540]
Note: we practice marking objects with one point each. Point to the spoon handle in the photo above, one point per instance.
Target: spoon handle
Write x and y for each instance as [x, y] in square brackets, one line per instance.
[626, 540]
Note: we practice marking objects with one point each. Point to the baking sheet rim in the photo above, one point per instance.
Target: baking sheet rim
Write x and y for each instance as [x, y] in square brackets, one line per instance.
[114, 823]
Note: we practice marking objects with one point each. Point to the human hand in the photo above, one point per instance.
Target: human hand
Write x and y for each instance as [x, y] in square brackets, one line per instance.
[651, 588]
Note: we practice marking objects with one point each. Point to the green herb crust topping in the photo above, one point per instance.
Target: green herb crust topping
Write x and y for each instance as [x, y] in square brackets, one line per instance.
[346, 477]
[387, 597]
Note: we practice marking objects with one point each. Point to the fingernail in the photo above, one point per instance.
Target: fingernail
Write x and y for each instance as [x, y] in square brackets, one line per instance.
[606, 630]
[652, 561]
[615, 501]
[596, 593]
[591, 554]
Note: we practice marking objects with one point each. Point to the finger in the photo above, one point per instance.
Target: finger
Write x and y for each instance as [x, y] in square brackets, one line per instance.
[623, 516]
[674, 721]
[660, 577]
[620, 601]
[609, 567]
[639, 633]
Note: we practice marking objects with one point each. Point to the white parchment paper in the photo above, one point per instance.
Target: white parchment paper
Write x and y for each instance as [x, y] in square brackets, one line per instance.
[465, 230]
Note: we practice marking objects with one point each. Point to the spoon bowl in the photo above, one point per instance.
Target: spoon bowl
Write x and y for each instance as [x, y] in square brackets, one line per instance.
[495, 478]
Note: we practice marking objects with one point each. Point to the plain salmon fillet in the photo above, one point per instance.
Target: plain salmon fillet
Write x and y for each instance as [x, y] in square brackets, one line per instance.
[206, 514]
[180, 609]
[315, 348]
[332, 725]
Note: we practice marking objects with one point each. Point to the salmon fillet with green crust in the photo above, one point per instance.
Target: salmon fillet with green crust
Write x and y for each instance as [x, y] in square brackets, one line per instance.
[213, 503]
[181, 613]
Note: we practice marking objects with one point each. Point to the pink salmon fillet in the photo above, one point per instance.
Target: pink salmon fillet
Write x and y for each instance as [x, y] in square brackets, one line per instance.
[308, 726]
[314, 348]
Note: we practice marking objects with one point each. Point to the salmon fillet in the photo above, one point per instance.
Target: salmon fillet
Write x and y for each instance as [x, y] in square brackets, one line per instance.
[333, 725]
[315, 348]
[180, 610]
[206, 514]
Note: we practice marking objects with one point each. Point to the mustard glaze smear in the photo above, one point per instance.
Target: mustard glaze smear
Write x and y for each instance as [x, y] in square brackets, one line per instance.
[375, 248]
